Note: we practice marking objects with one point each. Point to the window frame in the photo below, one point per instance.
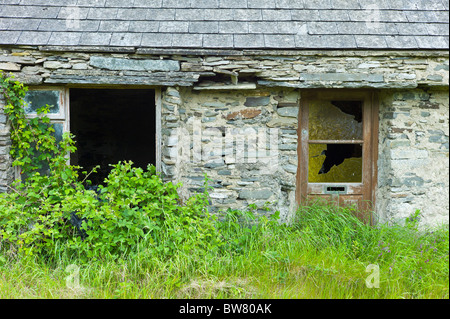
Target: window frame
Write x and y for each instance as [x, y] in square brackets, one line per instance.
[63, 116]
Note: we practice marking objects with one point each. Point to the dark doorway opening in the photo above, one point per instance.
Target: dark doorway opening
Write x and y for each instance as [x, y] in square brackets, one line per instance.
[112, 126]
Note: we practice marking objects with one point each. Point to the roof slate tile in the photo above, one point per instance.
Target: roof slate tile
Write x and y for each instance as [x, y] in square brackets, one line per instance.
[64, 38]
[187, 40]
[279, 40]
[10, 37]
[289, 4]
[142, 26]
[370, 41]
[126, 39]
[233, 4]
[233, 27]
[261, 4]
[34, 38]
[406, 42]
[204, 27]
[94, 38]
[218, 40]
[249, 41]
[235, 24]
[174, 26]
[156, 40]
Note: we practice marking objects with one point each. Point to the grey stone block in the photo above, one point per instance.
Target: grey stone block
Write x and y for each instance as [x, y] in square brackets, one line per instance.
[290, 168]
[176, 3]
[263, 193]
[134, 65]
[324, 4]
[257, 101]
[413, 181]
[288, 111]
[342, 77]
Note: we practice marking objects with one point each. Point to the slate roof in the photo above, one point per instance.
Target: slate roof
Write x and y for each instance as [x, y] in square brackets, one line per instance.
[228, 24]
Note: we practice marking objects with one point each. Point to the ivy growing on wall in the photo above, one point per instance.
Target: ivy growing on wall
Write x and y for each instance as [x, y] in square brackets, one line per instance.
[33, 142]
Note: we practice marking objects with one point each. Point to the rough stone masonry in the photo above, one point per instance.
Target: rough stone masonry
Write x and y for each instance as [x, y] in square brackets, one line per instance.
[246, 93]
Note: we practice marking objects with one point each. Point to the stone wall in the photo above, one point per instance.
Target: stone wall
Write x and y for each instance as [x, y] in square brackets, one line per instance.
[246, 142]
[6, 170]
[216, 103]
[413, 166]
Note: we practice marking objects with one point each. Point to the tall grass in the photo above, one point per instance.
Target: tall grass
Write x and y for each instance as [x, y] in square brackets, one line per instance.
[324, 253]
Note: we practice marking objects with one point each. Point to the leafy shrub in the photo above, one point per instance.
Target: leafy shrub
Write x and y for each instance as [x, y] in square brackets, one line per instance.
[134, 212]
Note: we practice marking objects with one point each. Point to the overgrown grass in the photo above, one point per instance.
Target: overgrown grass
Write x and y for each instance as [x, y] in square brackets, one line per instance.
[324, 253]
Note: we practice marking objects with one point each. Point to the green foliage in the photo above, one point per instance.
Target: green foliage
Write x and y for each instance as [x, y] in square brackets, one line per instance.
[34, 146]
[134, 213]
[412, 255]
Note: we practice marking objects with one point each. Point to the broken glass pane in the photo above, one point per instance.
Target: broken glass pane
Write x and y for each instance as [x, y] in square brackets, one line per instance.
[335, 163]
[39, 98]
[335, 120]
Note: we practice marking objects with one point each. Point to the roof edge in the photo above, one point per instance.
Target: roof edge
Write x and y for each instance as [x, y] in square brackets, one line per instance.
[239, 52]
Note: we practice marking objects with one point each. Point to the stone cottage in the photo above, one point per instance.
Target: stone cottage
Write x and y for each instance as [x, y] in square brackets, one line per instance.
[278, 101]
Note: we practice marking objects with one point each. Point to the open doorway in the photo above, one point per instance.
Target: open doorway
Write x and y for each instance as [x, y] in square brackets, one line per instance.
[112, 126]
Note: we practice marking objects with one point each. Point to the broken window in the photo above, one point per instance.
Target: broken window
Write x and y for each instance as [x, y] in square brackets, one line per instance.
[335, 163]
[36, 98]
[331, 125]
[335, 120]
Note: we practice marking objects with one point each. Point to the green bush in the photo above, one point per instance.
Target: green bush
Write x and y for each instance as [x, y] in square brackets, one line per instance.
[134, 212]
